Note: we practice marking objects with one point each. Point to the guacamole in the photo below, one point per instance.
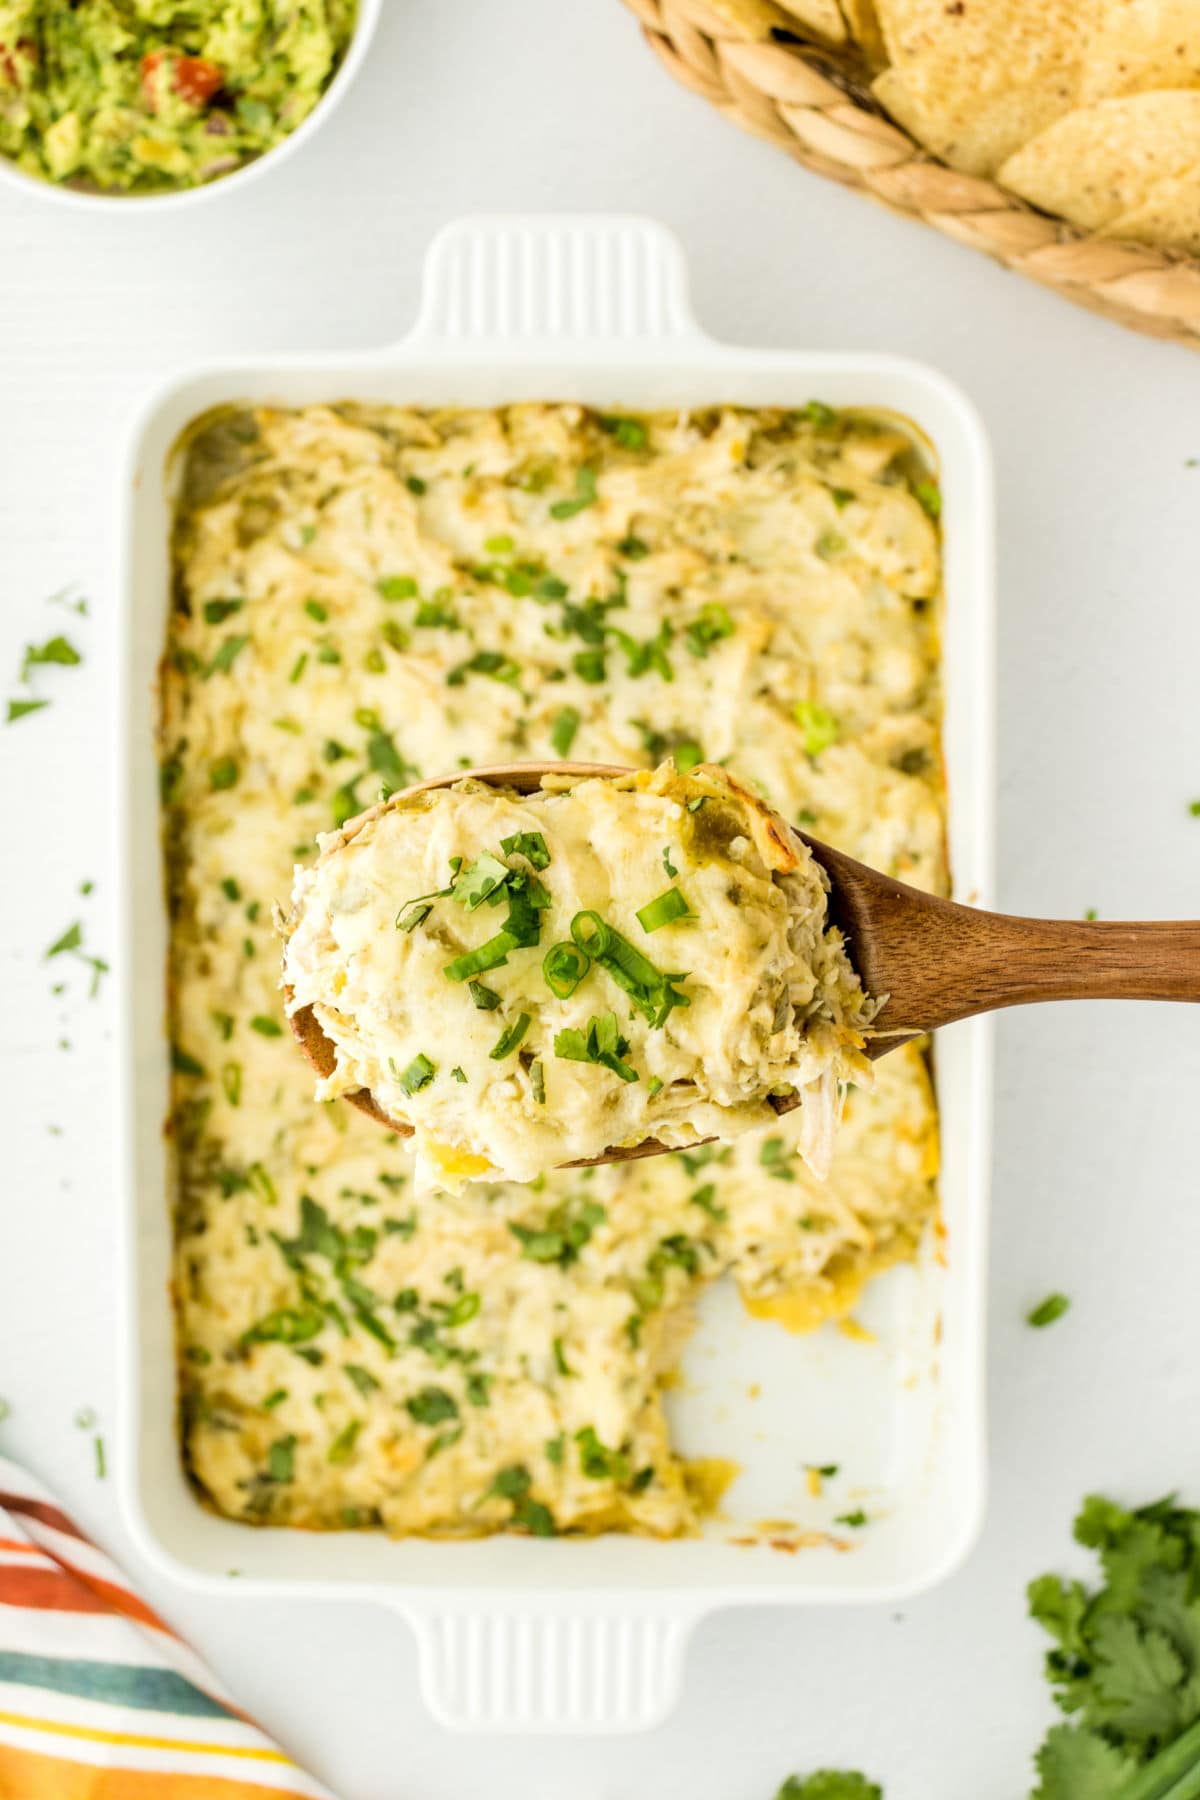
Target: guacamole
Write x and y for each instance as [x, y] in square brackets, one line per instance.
[138, 96]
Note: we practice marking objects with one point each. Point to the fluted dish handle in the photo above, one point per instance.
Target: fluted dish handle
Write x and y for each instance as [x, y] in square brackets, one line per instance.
[524, 1668]
[555, 283]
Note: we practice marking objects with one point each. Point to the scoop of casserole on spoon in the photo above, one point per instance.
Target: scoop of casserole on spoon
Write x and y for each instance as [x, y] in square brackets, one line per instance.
[663, 969]
[742, 915]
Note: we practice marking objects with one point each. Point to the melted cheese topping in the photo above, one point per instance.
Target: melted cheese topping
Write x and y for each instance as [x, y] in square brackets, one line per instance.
[367, 595]
[749, 993]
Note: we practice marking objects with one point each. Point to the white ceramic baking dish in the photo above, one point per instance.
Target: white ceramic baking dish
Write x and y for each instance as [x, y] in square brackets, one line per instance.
[590, 1635]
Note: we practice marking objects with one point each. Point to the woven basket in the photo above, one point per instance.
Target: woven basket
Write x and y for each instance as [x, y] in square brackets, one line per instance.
[816, 103]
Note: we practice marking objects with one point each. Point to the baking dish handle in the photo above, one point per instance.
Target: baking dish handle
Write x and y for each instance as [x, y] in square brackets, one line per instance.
[551, 283]
[521, 1667]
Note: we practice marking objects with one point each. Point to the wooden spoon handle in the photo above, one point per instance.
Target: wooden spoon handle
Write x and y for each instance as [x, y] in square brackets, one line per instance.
[979, 962]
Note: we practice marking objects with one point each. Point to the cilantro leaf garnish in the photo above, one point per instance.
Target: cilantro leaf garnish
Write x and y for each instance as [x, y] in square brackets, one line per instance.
[831, 1784]
[602, 1043]
[1125, 1659]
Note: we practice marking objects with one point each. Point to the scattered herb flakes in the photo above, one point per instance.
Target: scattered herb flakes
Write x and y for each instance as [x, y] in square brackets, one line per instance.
[1194, 809]
[459, 1075]
[585, 495]
[562, 732]
[630, 434]
[818, 725]
[668, 865]
[928, 496]
[281, 1459]
[819, 414]
[227, 654]
[431, 1406]
[1091, 914]
[20, 709]
[266, 1026]
[101, 1459]
[855, 1520]
[777, 1158]
[342, 1447]
[71, 939]
[597, 1461]
[1047, 1311]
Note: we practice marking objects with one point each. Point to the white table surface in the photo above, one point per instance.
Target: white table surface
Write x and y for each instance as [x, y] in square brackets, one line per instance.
[470, 105]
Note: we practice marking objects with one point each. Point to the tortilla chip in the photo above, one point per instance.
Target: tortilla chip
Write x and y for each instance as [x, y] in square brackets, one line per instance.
[1169, 216]
[1143, 44]
[822, 17]
[757, 18]
[984, 76]
[862, 20]
[1103, 160]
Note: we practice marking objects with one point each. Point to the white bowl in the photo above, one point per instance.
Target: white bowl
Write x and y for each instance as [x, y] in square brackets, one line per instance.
[368, 16]
[588, 1635]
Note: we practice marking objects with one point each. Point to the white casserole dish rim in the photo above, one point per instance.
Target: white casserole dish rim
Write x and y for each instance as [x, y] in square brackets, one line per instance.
[591, 1637]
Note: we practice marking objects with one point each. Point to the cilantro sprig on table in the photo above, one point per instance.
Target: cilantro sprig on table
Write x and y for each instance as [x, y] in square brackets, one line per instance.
[829, 1784]
[1126, 1659]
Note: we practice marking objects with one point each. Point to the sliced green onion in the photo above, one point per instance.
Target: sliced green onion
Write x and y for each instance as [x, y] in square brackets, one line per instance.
[651, 989]
[562, 732]
[493, 954]
[419, 1073]
[537, 1081]
[564, 967]
[664, 911]
[508, 1040]
[485, 998]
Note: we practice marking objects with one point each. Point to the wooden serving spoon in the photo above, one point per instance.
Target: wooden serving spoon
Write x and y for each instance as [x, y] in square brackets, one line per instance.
[936, 961]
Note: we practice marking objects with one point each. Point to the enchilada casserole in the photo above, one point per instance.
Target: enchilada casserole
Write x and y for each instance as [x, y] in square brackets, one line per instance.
[366, 595]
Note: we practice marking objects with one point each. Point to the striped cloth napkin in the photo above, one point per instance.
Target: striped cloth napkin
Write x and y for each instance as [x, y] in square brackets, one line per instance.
[99, 1700]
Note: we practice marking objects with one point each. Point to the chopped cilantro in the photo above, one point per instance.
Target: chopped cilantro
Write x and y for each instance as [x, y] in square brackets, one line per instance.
[602, 1044]
[711, 624]
[597, 1461]
[631, 434]
[529, 844]
[777, 1158]
[431, 1406]
[222, 773]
